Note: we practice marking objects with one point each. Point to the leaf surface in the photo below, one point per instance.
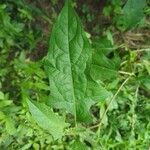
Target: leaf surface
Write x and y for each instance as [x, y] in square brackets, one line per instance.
[2, 95]
[133, 12]
[104, 68]
[67, 65]
[145, 81]
[47, 119]
[78, 145]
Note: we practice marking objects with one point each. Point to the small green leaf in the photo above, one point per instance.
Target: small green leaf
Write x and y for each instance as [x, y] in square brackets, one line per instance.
[78, 145]
[26, 146]
[104, 44]
[47, 119]
[5, 103]
[1, 95]
[104, 68]
[2, 115]
[133, 12]
[145, 81]
[10, 126]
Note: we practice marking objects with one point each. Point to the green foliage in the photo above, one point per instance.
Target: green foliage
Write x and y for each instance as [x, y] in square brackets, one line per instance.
[78, 145]
[88, 93]
[129, 17]
[47, 119]
[104, 68]
[67, 66]
[127, 14]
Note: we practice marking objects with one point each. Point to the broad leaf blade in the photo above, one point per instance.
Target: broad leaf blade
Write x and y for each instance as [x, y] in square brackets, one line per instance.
[67, 65]
[47, 119]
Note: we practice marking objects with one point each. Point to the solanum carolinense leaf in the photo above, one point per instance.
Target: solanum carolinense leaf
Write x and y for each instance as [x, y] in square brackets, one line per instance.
[68, 64]
[47, 119]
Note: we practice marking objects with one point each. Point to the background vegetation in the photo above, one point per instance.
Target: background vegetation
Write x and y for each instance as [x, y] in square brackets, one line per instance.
[118, 28]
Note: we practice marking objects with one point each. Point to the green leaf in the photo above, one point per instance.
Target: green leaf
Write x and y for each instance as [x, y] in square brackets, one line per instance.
[133, 12]
[104, 44]
[78, 145]
[2, 115]
[10, 126]
[145, 81]
[47, 119]
[104, 68]
[5, 103]
[67, 65]
[27, 146]
[2, 95]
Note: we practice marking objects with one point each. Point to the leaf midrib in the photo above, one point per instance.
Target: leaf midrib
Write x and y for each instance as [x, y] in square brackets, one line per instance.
[69, 55]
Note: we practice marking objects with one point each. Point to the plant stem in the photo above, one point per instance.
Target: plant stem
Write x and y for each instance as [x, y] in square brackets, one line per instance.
[112, 99]
[142, 50]
[126, 73]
